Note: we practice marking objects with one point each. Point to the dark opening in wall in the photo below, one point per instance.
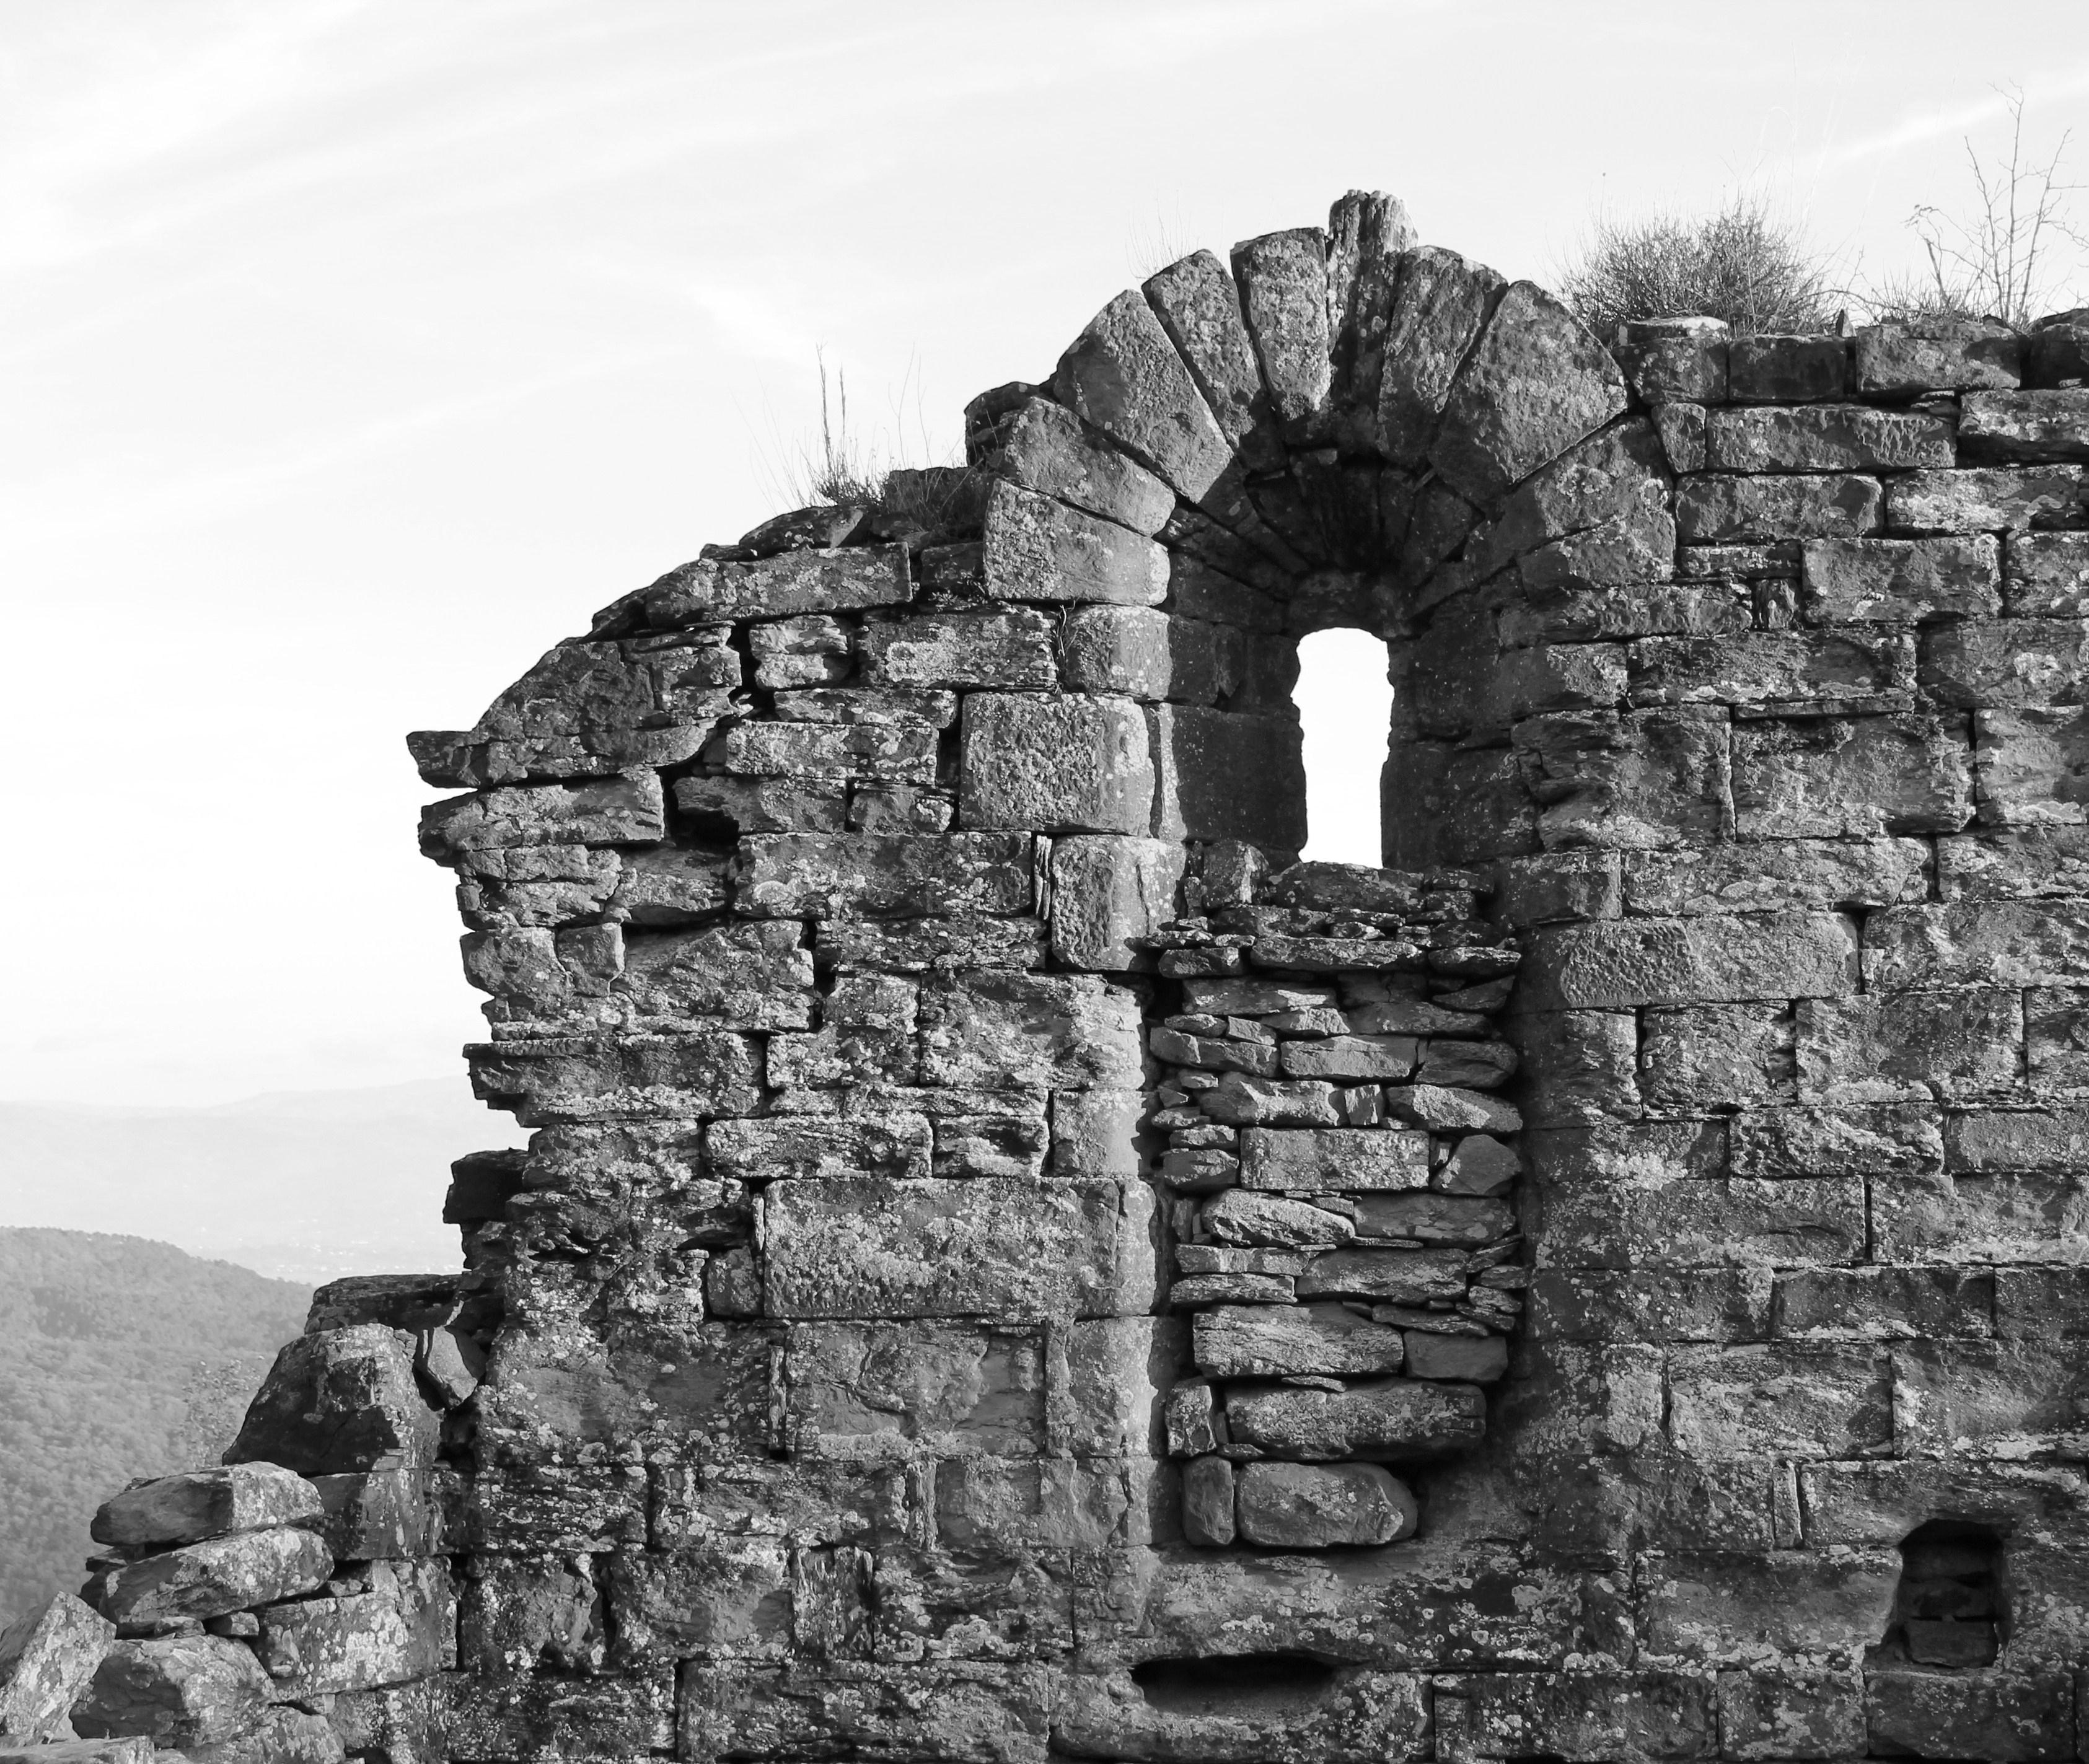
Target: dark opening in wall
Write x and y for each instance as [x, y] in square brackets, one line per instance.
[1950, 1610]
[1344, 711]
[1236, 1684]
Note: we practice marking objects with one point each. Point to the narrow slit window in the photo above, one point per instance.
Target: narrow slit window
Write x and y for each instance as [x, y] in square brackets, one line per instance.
[1345, 712]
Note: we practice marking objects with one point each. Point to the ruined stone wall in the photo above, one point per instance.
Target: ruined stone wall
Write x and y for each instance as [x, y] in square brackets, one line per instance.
[1011, 1264]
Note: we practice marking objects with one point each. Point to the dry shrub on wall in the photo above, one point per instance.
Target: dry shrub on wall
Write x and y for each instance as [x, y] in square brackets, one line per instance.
[1995, 257]
[842, 466]
[1745, 263]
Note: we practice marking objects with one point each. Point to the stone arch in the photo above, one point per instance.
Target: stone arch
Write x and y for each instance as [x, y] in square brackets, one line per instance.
[835, 894]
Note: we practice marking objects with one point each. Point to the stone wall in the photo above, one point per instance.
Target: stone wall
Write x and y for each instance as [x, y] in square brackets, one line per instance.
[1012, 1263]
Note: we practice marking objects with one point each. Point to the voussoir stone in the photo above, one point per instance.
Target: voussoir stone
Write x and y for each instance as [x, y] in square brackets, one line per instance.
[1122, 374]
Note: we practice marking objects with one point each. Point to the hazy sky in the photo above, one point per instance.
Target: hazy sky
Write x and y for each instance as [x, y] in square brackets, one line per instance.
[355, 350]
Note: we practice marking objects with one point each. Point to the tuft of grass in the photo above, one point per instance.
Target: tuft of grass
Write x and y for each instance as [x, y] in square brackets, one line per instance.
[842, 468]
[1745, 263]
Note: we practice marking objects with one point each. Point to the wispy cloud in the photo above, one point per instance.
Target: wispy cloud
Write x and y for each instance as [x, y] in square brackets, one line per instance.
[1918, 130]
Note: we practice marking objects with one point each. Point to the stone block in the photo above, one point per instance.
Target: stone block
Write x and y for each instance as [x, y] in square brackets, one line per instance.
[1234, 1341]
[1984, 498]
[1241, 1217]
[1149, 655]
[1883, 1303]
[1861, 1504]
[697, 1072]
[1006, 646]
[1391, 1420]
[194, 1504]
[1713, 1608]
[715, 591]
[2019, 864]
[758, 975]
[2057, 1041]
[1819, 669]
[339, 1400]
[1107, 894]
[1353, 1059]
[2031, 767]
[1223, 776]
[1464, 1359]
[1096, 1132]
[1642, 1152]
[2030, 1217]
[1569, 1399]
[1396, 1276]
[817, 1148]
[1825, 438]
[1578, 1066]
[1583, 1717]
[180, 1691]
[403, 1628]
[2046, 574]
[1645, 779]
[1697, 1057]
[1768, 874]
[1653, 1305]
[1965, 942]
[1713, 508]
[1901, 581]
[875, 1248]
[1317, 1507]
[1198, 306]
[1072, 764]
[1036, 549]
[1333, 1159]
[1998, 1714]
[486, 1717]
[1123, 375]
[219, 1574]
[2011, 1399]
[1208, 1502]
[1670, 359]
[1252, 1711]
[1044, 448]
[2004, 663]
[1738, 1222]
[1535, 383]
[1065, 1031]
[2030, 426]
[1782, 1711]
[894, 751]
[1884, 1140]
[602, 811]
[1283, 282]
[1784, 370]
[1803, 1401]
[789, 875]
[135, 1750]
[1965, 1045]
[390, 1514]
[1621, 964]
[730, 1599]
[1936, 355]
[1440, 302]
[49, 1655]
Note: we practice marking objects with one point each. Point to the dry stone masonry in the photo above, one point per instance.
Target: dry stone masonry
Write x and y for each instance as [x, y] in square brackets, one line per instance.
[1013, 1264]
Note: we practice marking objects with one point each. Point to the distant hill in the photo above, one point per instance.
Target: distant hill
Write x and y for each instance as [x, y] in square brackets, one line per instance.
[118, 1358]
[301, 1184]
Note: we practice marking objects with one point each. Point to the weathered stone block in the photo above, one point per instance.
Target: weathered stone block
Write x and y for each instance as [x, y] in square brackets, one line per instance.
[1283, 283]
[1334, 1158]
[1788, 667]
[1983, 499]
[1796, 1400]
[1223, 776]
[485, 1718]
[2028, 426]
[1715, 1608]
[1067, 1031]
[1682, 358]
[48, 1657]
[198, 1504]
[1965, 942]
[389, 1514]
[875, 1248]
[1936, 355]
[2031, 767]
[1315, 1507]
[1901, 581]
[220, 1574]
[1646, 779]
[1695, 1305]
[1009, 646]
[815, 1148]
[1069, 764]
[1767, 875]
[1902, 1139]
[716, 592]
[1208, 1502]
[900, 752]
[1997, 1713]
[1715, 509]
[1782, 369]
[605, 812]
[1122, 374]
[182, 1691]
[1740, 1222]
[980, 1712]
[340, 1400]
[1107, 892]
[698, 1072]
[1825, 438]
[403, 1628]
[1586, 1716]
[1044, 448]
[1535, 383]
[1961, 1046]
[1037, 549]
[1285, 1341]
[2046, 574]
[2007, 663]
[1697, 1058]
[1390, 1419]
[790, 875]
[1620, 963]
[2033, 1216]
[1883, 1303]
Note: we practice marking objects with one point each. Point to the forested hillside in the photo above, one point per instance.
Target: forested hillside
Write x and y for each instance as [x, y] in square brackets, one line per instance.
[122, 1358]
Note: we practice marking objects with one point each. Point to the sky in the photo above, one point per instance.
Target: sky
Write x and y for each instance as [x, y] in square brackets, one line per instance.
[352, 352]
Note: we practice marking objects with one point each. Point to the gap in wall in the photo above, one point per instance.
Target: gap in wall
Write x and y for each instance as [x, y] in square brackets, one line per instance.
[1345, 710]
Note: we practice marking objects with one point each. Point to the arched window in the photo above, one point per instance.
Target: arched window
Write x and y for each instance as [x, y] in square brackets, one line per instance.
[1344, 710]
